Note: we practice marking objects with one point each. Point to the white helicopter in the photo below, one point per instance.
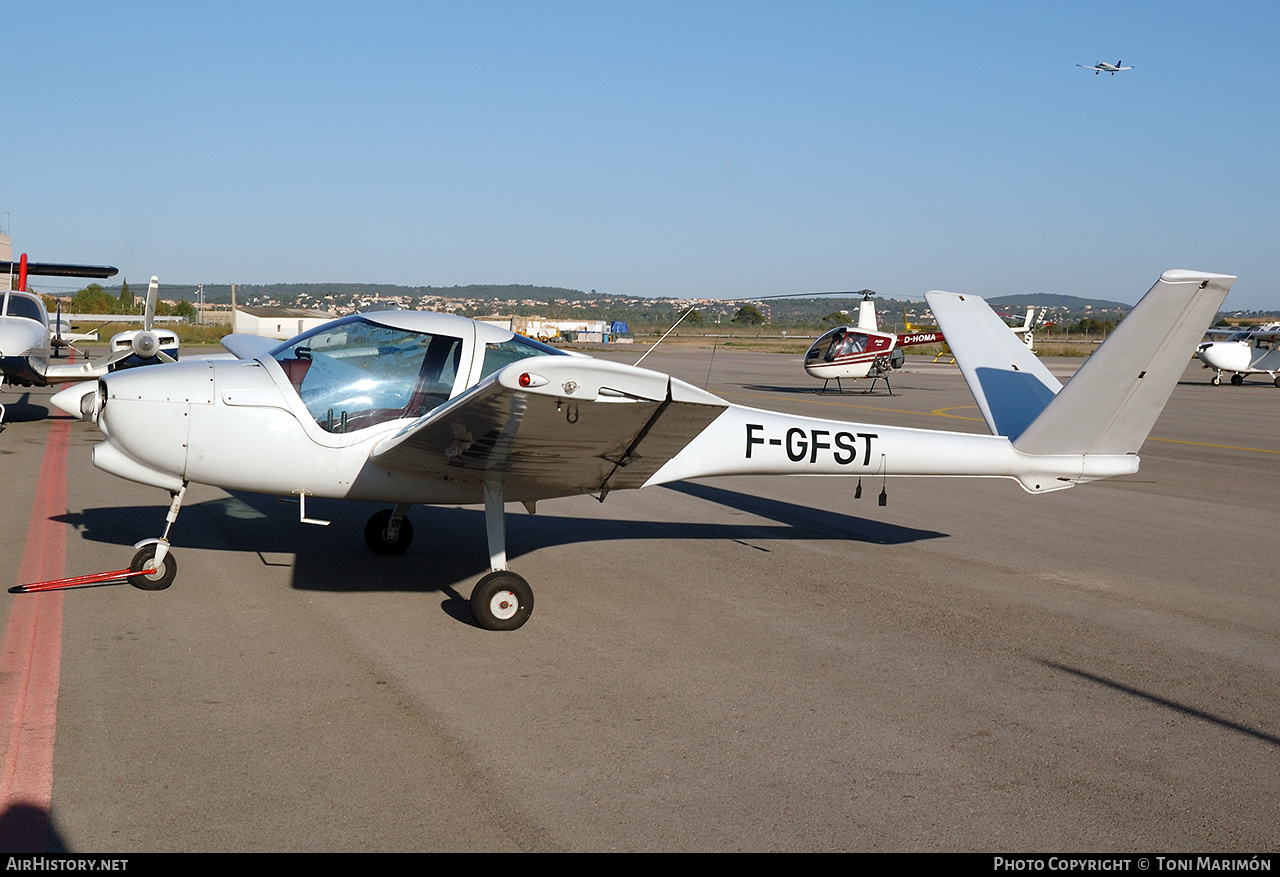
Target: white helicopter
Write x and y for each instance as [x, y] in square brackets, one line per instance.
[1244, 352]
[419, 408]
[29, 339]
[861, 351]
[1104, 67]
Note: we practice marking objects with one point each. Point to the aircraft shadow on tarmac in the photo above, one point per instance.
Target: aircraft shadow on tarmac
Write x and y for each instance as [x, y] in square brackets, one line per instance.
[23, 410]
[815, 390]
[451, 540]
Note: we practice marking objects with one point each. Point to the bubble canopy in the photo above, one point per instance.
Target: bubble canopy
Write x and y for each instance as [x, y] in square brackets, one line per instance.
[361, 370]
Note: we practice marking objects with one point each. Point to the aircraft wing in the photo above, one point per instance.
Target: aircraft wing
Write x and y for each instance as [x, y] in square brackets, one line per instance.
[56, 269]
[565, 424]
[1250, 334]
[79, 371]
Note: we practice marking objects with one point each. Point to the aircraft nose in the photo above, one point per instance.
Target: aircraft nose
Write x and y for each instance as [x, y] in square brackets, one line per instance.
[19, 337]
[145, 413]
[80, 400]
[1224, 355]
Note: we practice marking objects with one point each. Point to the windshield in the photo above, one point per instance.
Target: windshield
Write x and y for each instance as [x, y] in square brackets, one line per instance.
[822, 348]
[837, 342]
[21, 306]
[353, 373]
[518, 348]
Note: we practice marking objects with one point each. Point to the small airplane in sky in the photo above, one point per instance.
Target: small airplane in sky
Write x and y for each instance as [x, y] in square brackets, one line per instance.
[1104, 67]
[406, 408]
[861, 351]
[28, 338]
[1244, 352]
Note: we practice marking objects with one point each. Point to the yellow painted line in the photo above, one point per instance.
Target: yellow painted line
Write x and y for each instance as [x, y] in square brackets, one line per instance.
[1210, 445]
[940, 412]
[826, 402]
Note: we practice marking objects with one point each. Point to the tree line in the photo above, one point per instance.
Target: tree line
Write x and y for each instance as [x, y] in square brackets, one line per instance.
[93, 299]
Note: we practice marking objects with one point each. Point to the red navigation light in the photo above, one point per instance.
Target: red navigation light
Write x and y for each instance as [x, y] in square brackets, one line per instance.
[525, 380]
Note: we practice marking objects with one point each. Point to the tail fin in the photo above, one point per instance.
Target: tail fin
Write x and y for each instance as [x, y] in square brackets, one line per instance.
[1114, 399]
[1010, 384]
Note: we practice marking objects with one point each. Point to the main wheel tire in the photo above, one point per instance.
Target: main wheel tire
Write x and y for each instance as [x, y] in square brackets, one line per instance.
[501, 601]
[1277, 381]
[161, 578]
[1237, 380]
[375, 534]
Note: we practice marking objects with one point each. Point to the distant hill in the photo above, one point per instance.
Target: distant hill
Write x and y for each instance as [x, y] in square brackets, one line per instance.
[220, 293]
[1053, 300]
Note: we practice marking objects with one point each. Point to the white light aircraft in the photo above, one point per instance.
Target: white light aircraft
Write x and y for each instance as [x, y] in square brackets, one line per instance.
[1104, 67]
[28, 338]
[1244, 352]
[64, 335]
[145, 346]
[1028, 327]
[411, 408]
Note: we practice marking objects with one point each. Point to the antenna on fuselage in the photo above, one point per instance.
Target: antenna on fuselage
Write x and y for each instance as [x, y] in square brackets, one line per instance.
[691, 309]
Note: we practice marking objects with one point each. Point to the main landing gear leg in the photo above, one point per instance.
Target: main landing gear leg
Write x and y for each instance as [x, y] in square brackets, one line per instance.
[389, 531]
[501, 600]
[153, 566]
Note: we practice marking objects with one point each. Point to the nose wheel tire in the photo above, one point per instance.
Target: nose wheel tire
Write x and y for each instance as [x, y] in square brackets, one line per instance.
[1216, 381]
[158, 580]
[501, 601]
[375, 534]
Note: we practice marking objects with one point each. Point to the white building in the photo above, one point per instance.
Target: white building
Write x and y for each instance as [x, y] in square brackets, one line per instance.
[279, 323]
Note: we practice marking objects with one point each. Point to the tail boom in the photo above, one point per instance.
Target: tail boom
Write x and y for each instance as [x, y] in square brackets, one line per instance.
[749, 441]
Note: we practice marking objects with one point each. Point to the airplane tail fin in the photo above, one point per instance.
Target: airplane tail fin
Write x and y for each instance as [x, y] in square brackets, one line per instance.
[1112, 402]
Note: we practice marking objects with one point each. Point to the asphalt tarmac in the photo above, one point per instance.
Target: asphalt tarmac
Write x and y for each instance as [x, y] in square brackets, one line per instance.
[730, 664]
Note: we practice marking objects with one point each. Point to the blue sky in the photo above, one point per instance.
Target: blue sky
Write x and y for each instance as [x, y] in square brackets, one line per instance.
[690, 149]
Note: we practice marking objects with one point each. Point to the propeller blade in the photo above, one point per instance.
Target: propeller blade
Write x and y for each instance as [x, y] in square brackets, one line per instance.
[153, 293]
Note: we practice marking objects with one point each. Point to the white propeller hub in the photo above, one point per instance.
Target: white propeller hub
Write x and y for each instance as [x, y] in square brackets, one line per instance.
[146, 345]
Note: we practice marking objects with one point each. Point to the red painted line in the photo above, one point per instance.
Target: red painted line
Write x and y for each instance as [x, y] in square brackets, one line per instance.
[30, 663]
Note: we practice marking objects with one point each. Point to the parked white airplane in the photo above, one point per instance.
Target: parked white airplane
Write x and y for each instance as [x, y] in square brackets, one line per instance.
[1244, 352]
[145, 346]
[406, 407]
[1104, 67]
[28, 338]
[64, 334]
